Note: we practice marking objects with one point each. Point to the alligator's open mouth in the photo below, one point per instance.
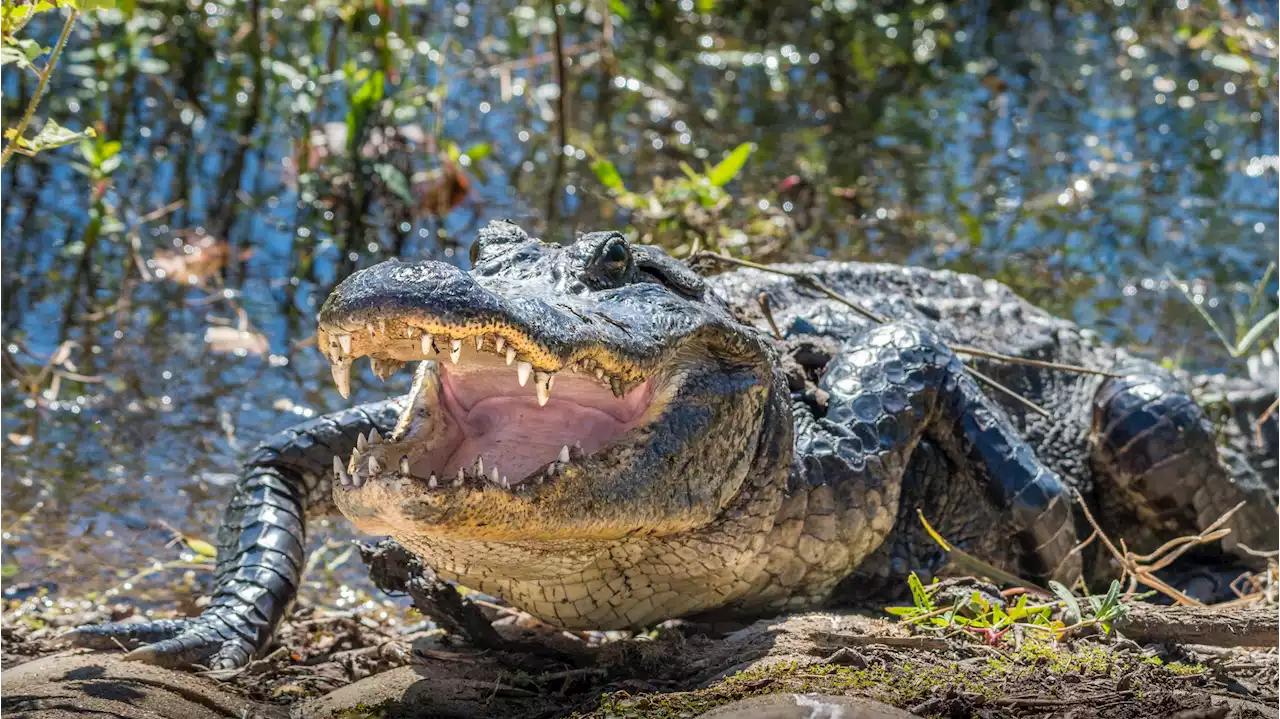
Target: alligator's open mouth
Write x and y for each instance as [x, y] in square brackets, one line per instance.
[481, 414]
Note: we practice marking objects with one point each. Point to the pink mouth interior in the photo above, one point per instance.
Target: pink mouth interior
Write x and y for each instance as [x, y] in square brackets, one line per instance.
[501, 421]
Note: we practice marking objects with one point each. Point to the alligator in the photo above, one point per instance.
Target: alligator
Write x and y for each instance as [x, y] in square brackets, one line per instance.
[757, 441]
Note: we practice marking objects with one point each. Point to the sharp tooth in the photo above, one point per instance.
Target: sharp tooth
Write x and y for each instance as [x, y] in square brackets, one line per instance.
[340, 472]
[344, 341]
[564, 454]
[409, 330]
[461, 476]
[361, 443]
[404, 466]
[616, 385]
[382, 326]
[427, 347]
[499, 343]
[384, 368]
[373, 465]
[511, 355]
[494, 475]
[523, 369]
[542, 383]
[369, 326]
[432, 483]
[357, 480]
[599, 373]
[506, 483]
[342, 377]
[479, 468]
[479, 342]
[374, 437]
[455, 350]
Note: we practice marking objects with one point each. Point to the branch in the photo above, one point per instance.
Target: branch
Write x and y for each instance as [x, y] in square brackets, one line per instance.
[40, 87]
[1255, 626]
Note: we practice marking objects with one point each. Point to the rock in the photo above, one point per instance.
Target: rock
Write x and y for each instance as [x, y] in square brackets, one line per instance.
[104, 686]
[806, 706]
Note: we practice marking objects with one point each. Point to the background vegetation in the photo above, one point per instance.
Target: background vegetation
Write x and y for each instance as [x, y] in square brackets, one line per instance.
[222, 163]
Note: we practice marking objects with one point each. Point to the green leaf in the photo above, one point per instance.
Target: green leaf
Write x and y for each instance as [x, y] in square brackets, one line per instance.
[479, 151]
[1073, 613]
[902, 611]
[1202, 38]
[88, 5]
[395, 181]
[619, 8]
[20, 52]
[919, 594]
[8, 571]
[16, 14]
[369, 93]
[729, 167]
[108, 150]
[1254, 334]
[50, 136]
[608, 175]
[89, 151]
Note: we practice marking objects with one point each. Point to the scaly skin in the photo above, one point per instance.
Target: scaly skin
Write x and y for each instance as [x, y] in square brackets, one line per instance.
[765, 474]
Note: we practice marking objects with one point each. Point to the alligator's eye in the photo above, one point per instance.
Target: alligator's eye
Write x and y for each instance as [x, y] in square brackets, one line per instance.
[615, 258]
[475, 252]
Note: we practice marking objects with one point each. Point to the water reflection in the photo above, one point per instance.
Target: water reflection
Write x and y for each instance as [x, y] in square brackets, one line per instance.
[1074, 150]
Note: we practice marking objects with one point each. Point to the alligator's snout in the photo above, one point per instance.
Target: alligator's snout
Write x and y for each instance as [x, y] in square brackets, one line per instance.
[550, 378]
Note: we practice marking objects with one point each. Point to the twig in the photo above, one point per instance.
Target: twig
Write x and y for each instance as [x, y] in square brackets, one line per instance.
[863, 640]
[808, 280]
[44, 74]
[767, 311]
[1255, 626]
[1257, 423]
[1141, 568]
[1022, 400]
[803, 278]
[967, 350]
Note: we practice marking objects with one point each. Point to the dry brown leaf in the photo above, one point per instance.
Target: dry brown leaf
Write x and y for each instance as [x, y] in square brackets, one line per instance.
[443, 190]
[230, 339]
[197, 261]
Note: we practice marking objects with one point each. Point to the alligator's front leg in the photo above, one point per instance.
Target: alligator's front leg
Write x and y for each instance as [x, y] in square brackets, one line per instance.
[891, 387]
[261, 547]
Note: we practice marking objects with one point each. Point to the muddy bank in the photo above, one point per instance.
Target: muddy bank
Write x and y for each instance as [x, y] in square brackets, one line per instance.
[343, 665]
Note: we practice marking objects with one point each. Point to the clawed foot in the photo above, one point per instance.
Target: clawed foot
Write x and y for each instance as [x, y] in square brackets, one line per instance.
[216, 639]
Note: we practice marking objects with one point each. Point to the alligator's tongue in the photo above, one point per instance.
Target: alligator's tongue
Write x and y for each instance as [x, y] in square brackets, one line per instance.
[503, 424]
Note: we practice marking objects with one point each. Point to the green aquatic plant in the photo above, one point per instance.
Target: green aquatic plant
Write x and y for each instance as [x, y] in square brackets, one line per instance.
[22, 53]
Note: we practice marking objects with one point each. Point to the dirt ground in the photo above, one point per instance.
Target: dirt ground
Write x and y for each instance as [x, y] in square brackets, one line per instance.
[339, 664]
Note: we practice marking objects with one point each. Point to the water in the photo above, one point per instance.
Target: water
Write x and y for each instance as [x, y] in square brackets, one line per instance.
[1076, 151]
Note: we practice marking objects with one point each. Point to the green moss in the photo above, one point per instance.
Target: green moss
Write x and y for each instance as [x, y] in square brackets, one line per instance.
[1038, 655]
[1184, 669]
[1036, 663]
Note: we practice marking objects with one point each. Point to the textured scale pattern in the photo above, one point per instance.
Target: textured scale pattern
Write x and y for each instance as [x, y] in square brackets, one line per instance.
[828, 506]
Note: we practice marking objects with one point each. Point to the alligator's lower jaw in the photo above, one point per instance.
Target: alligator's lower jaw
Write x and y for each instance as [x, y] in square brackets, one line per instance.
[472, 422]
